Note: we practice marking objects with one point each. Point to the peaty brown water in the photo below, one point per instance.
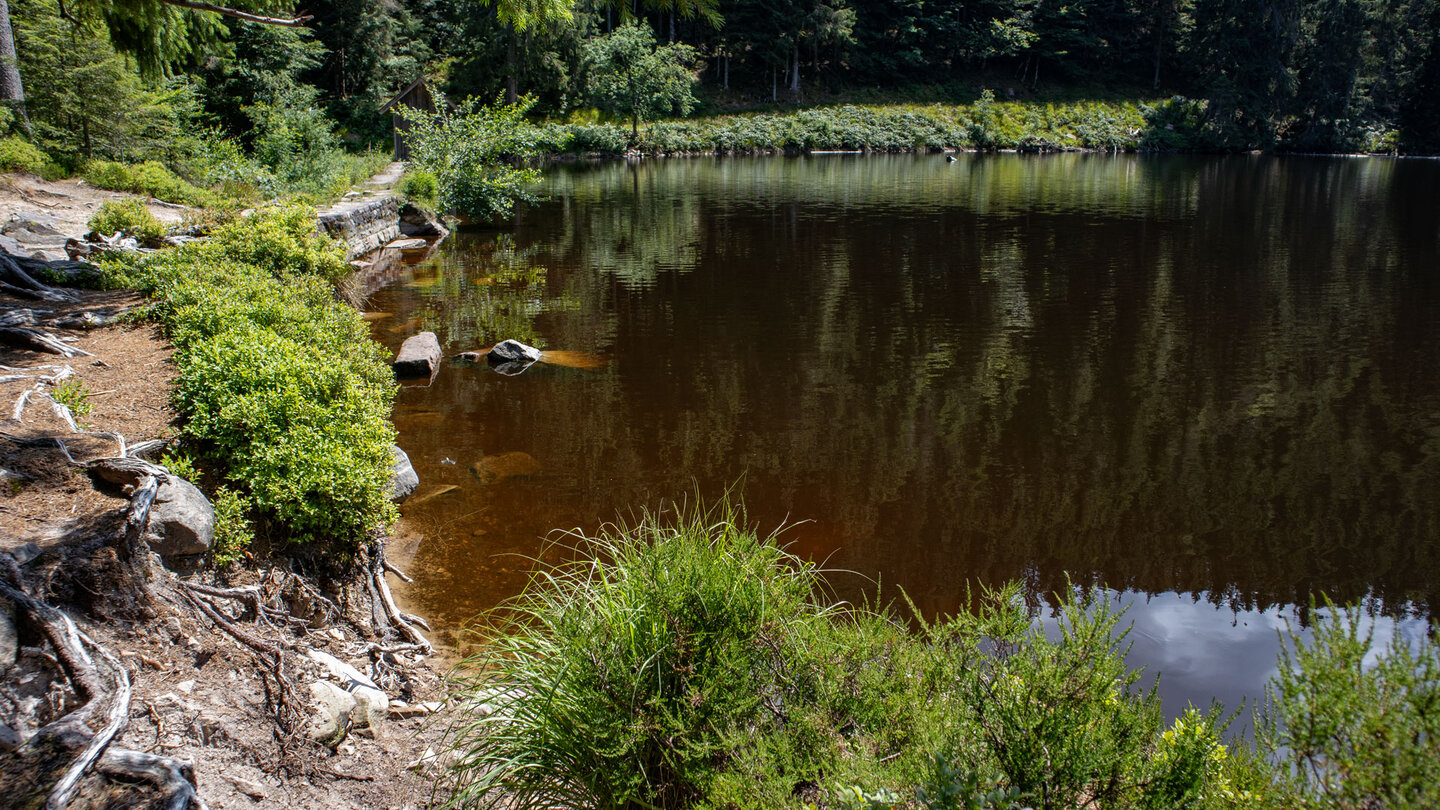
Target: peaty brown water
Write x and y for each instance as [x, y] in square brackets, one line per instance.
[1210, 384]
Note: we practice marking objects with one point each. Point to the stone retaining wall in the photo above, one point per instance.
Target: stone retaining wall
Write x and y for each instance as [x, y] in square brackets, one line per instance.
[365, 224]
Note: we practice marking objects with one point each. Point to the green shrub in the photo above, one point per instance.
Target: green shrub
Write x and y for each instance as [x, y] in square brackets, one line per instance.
[233, 532]
[150, 178]
[421, 189]
[469, 148]
[129, 217]
[74, 395]
[281, 390]
[695, 664]
[1361, 730]
[17, 155]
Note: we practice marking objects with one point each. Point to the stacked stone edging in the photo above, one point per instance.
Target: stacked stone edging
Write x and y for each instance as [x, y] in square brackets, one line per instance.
[365, 224]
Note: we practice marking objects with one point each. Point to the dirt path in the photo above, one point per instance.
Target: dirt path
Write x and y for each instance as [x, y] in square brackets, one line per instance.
[200, 693]
[61, 209]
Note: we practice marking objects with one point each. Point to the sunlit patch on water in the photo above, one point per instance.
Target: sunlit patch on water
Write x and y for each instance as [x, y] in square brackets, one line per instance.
[569, 359]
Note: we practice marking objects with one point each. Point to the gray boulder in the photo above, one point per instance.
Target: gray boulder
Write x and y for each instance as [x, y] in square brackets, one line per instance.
[419, 356]
[34, 230]
[330, 708]
[512, 351]
[416, 221]
[182, 521]
[403, 478]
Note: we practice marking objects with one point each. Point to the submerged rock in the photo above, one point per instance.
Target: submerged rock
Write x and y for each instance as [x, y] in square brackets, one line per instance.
[496, 468]
[419, 356]
[182, 521]
[403, 478]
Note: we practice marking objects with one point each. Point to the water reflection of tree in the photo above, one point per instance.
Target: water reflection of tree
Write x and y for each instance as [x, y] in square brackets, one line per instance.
[482, 290]
[1199, 376]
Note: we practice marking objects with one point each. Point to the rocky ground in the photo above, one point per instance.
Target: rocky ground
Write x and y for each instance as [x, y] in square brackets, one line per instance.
[280, 688]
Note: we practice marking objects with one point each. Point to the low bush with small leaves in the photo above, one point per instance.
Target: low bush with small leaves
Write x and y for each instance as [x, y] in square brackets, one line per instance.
[282, 393]
[420, 187]
[152, 179]
[17, 155]
[74, 395]
[127, 217]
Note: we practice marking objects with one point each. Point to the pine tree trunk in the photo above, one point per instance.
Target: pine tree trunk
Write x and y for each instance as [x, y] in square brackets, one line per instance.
[727, 71]
[12, 90]
[672, 25]
[795, 75]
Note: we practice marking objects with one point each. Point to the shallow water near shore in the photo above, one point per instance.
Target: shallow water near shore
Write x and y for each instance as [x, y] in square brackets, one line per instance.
[1207, 383]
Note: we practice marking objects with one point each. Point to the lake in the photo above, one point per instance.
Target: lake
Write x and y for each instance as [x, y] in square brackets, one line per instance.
[1210, 385]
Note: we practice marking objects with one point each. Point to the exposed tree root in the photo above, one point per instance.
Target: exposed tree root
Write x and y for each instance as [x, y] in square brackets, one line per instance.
[25, 338]
[72, 731]
[397, 619]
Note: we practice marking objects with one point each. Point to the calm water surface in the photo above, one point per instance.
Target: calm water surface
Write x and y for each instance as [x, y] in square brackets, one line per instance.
[1209, 384]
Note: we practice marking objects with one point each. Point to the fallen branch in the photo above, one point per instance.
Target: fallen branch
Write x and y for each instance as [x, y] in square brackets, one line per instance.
[392, 612]
[287, 22]
[24, 338]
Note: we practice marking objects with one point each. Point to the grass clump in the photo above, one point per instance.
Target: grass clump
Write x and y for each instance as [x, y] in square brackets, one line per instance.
[693, 663]
[281, 391]
[129, 217]
[689, 662]
[620, 681]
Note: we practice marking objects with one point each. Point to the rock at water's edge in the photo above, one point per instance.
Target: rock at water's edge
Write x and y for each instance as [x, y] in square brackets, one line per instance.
[419, 356]
[182, 521]
[403, 478]
[419, 222]
[330, 708]
[512, 351]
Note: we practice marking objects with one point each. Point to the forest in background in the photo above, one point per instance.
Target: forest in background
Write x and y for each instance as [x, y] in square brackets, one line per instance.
[271, 107]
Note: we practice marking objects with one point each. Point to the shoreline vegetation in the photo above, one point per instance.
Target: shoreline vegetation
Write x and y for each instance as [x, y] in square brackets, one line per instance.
[685, 661]
[1144, 125]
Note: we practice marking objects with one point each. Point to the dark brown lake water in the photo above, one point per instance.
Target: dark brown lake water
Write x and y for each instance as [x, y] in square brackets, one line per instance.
[1209, 384]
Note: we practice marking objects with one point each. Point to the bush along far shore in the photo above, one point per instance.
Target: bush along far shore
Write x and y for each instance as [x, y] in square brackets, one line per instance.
[283, 398]
[691, 663]
[1173, 124]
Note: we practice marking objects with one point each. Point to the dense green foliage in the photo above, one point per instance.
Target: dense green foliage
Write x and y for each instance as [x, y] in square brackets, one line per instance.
[632, 77]
[266, 108]
[691, 663]
[128, 217]
[281, 390]
[468, 150]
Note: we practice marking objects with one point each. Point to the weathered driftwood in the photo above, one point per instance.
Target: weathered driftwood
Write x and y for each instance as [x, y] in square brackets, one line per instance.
[396, 618]
[19, 282]
[25, 338]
